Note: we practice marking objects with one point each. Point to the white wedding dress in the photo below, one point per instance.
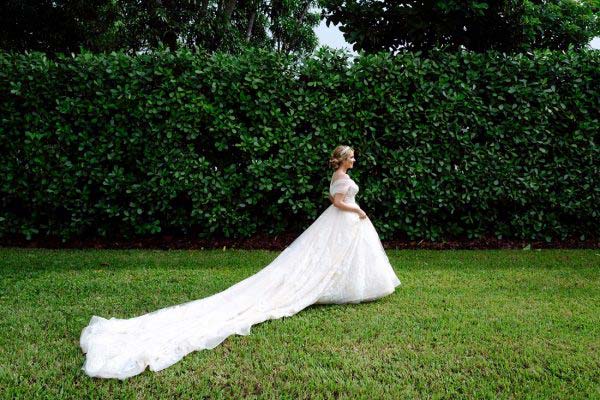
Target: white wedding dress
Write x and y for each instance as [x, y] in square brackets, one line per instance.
[338, 259]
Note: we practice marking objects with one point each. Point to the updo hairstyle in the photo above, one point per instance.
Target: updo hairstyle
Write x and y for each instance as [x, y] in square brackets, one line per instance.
[338, 156]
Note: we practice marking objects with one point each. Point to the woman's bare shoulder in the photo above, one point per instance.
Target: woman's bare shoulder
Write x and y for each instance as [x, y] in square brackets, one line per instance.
[337, 176]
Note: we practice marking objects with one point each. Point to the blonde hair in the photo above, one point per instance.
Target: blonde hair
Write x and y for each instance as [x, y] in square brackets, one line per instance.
[338, 156]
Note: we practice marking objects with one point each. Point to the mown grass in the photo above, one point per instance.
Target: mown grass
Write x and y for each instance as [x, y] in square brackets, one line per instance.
[463, 324]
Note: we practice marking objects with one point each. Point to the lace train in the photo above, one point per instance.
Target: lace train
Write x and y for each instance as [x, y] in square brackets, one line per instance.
[338, 259]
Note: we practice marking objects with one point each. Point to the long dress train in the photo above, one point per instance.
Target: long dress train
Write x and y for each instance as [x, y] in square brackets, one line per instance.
[338, 259]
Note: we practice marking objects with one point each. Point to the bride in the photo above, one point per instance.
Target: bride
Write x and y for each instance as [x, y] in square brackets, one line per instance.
[338, 259]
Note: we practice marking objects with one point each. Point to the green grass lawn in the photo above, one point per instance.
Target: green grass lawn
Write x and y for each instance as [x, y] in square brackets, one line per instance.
[463, 324]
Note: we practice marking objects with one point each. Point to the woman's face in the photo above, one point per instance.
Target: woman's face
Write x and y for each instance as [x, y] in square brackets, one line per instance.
[349, 162]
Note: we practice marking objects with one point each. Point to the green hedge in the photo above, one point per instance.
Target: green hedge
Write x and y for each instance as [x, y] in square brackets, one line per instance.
[452, 146]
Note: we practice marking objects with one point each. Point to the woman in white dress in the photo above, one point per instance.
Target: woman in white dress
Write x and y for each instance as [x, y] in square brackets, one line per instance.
[338, 259]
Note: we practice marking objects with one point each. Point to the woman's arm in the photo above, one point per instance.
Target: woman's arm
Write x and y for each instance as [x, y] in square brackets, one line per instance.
[338, 201]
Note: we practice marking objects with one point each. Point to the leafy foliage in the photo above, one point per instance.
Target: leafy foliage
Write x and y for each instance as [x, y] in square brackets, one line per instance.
[455, 145]
[133, 26]
[502, 25]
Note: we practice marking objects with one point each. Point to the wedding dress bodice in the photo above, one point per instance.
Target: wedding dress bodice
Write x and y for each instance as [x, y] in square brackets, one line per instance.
[346, 186]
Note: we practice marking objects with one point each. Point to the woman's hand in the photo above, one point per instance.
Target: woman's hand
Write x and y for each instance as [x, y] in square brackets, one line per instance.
[362, 214]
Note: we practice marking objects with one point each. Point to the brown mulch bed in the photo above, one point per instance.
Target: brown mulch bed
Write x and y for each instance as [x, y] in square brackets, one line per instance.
[279, 242]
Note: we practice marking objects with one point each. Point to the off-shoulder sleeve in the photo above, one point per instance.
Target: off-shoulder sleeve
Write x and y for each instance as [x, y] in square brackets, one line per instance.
[340, 186]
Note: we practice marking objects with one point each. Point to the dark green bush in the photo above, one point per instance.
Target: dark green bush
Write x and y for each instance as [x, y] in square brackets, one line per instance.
[455, 145]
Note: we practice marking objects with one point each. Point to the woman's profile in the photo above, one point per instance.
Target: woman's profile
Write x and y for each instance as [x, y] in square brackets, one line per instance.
[338, 259]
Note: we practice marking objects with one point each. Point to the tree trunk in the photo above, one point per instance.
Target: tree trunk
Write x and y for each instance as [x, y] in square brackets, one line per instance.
[250, 25]
[229, 7]
[288, 46]
[204, 8]
[304, 11]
